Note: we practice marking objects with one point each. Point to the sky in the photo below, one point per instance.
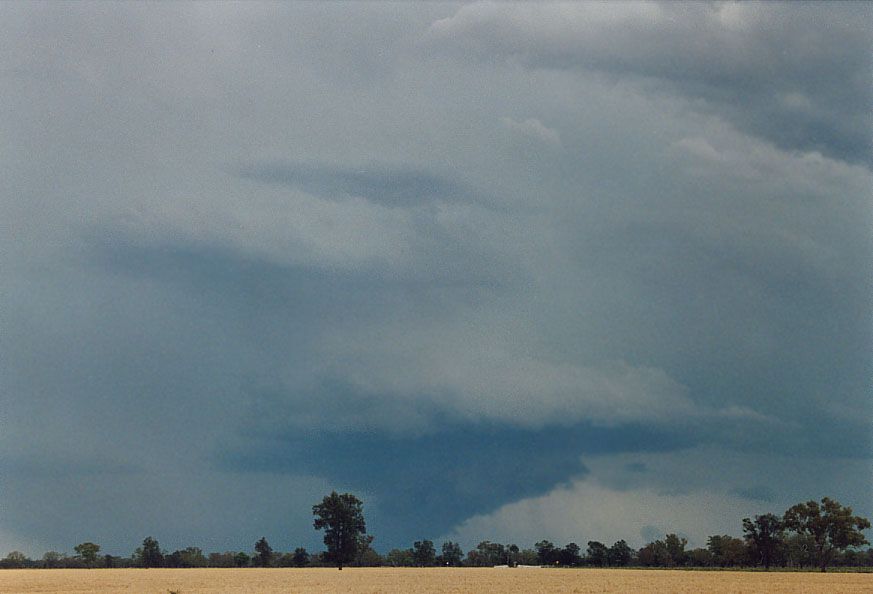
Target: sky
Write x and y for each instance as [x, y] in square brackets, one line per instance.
[510, 272]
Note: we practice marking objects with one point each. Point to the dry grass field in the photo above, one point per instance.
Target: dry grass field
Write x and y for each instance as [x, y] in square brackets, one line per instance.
[402, 581]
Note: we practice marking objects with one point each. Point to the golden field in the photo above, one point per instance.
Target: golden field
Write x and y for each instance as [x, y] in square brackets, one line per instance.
[408, 580]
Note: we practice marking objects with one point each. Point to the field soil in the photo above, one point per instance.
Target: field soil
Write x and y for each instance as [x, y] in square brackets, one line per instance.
[406, 580]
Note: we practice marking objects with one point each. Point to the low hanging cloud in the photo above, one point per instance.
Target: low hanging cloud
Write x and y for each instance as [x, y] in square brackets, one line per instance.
[638, 497]
[585, 510]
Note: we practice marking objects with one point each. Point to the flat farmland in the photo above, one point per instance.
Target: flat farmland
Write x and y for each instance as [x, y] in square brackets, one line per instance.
[407, 580]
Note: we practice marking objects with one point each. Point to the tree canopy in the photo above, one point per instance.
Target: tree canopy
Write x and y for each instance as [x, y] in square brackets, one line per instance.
[342, 519]
[88, 552]
[832, 527]
[150, 554]
[765, 535]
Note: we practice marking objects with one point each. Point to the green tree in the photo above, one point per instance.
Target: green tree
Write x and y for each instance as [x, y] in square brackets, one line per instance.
[764, 535]
[676, 549]
[700, 558]
[399, 558]
[620, 554]
[263, 553]
[423, 553]
[342, 519]
[832, 527]
[15, 560]
[174, 560]
[528, 557]
[241, 559]
[598, 554]
[452, 554]
[52, 559]
[490, 553]
[367, 556]
[512, 552]
[569, 555]
[87, 551]
[193, 557]
[799, 551]
[655, 554]
[221, 559]
[726, 550]
[547, 554]
[301, 557]
[150, 554]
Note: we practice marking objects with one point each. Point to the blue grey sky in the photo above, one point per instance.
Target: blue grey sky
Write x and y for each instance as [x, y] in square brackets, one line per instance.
[580, 271]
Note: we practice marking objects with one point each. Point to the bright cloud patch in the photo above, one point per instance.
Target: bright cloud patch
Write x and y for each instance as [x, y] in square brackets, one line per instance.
[639, 497]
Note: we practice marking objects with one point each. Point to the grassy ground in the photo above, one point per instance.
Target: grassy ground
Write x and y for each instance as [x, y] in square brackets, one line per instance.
[405, 580]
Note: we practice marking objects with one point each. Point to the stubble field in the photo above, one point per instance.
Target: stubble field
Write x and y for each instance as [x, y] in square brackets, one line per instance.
[406, 580]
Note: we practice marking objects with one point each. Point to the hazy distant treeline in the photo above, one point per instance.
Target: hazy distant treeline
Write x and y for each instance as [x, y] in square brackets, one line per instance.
[807, 535]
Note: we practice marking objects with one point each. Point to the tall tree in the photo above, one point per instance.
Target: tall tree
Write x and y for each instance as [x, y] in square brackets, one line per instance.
[424, 553]
[765, 535]
[620, 554]
[452, 554]
[597, 553]
[832, 527]
[569, 555]
[150, 554]
[342, 519]
[263, 553]
[656, 554]
[87, 551]
[512, 555]
[676, 549]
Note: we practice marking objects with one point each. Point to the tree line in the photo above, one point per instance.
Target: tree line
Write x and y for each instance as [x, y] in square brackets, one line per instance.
[812, 534]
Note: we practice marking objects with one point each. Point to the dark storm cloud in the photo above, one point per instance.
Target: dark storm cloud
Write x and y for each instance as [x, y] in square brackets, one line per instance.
[432, 280]
[439, 480]
[796, 74]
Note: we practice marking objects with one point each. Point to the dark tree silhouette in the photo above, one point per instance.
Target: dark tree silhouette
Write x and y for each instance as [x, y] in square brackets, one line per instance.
[342, 519]
[301, 557]
[150, 554]
[765, 535]
[263, 553]
[424, 553]
[452, 554]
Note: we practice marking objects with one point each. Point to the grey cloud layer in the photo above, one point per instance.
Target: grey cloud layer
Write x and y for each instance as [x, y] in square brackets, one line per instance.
[230, 221]
[797, 75]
